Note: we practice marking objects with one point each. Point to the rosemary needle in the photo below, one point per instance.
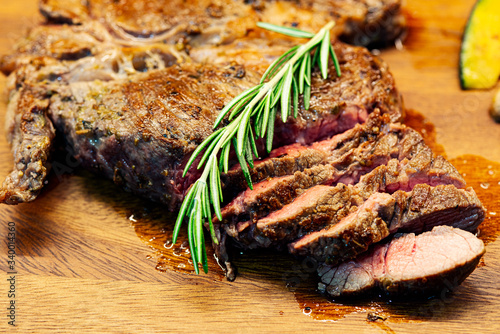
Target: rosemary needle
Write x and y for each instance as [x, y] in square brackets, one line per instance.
[286, 78]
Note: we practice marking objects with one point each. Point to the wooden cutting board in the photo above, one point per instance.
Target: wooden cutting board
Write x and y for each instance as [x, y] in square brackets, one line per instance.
[91, 258]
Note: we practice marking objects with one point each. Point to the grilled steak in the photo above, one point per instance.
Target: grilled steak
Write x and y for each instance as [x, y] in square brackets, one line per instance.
[317, 204]
[316, 208]
[270, 195]
[355, 151]
[410, 264]
[88, 76]
[139, 129]
[299, 205]
[370, 158]
[367, 185]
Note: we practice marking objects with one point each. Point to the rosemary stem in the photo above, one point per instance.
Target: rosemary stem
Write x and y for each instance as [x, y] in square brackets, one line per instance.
[268, 86]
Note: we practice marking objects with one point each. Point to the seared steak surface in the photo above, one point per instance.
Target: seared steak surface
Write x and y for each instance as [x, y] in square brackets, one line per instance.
[139, 128]
[123, 77]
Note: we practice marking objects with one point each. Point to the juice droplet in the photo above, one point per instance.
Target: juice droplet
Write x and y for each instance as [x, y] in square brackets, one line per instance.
[154, 227]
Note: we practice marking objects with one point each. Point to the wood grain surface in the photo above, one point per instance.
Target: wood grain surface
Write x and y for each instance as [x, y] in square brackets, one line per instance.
[93, 259]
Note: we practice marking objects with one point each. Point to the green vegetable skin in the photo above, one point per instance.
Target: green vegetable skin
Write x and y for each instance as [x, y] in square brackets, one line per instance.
[480, 54]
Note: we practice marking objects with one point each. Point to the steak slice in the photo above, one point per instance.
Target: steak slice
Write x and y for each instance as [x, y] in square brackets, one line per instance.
[425, 207]
[272, 194]
[284, 161]
[328, 205]
[405, 175]
[416, 211]
[350, 236]
[316, 208]
[409, 264]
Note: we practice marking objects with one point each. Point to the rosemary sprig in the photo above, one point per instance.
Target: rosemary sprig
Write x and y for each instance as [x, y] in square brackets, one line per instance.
[286, 78]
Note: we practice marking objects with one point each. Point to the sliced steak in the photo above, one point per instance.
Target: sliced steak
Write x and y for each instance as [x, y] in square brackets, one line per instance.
[134, 87]
[284, 161]
[406, 174]
[316, 208]
[395, 176]
[337, 152]
[274, 193]
[416, 211]
[425, 207]
[351, 235]
[410, 264]
[352, 158]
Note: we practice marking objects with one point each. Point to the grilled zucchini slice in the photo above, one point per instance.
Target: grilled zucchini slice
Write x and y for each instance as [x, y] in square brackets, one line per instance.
[480, 53]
